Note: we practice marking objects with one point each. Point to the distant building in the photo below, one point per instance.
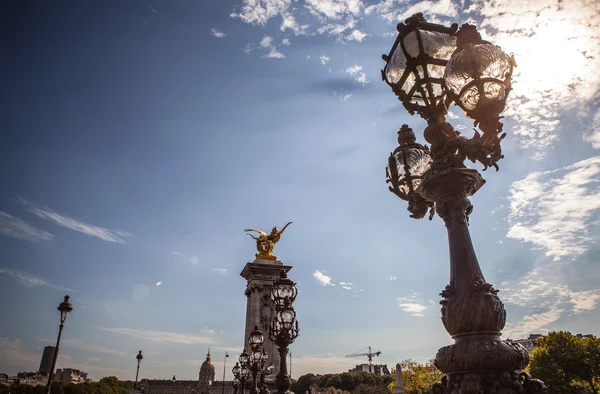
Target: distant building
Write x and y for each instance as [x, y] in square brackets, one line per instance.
[376, 369]
[70, 376]
[47, 357]
[31, 379]
[205, 384]
[528, 343]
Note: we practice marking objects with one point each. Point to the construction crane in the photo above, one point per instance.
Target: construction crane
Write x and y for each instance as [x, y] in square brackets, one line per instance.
[369, 354]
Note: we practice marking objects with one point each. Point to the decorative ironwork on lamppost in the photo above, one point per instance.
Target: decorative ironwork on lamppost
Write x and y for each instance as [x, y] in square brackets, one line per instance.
[429, 67]
[236, 378]
[284, 327]
[266, 371]
[139, 358]
[64, 308]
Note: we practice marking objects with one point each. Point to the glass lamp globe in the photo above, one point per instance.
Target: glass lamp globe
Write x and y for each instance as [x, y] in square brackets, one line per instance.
[64, 308]
[478, 75]
[243, 357]
[284, 291]
[415, 66]
[286, 318]
[256, 337]
[236, 370]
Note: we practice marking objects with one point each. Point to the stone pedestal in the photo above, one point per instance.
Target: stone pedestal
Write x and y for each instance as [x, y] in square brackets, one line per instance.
[260, 311]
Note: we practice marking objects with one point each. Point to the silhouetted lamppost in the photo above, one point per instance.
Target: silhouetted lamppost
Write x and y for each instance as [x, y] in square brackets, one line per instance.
[223, 381]
[241, 370]
[429, 67]
[139, 358]
[64, 308]
[284, 327]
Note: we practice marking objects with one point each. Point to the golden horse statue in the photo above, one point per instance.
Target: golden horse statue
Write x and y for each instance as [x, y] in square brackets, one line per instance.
[265, 242]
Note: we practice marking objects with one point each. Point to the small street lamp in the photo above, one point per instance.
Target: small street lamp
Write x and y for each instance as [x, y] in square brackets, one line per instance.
[224, 363]
[284, 327]
[429, 67]
[64, 308]
[257, 361]
[139, 358]
[236, 378]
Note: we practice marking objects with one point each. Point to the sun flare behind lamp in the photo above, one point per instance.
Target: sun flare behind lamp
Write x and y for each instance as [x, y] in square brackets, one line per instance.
[429, 67]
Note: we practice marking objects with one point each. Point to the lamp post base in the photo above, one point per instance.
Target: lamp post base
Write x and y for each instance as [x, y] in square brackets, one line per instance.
[507, 382]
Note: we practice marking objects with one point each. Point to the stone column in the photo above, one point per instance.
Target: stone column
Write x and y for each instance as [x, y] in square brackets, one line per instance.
[399, 389]
[260, 311]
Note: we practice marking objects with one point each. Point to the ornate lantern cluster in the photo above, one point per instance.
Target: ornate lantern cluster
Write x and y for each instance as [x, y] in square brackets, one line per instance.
[252, 365]
[284, 327]
[428, 68]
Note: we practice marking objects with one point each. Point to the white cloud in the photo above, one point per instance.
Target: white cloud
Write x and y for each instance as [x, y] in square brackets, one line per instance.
[85, 345]
[217, 33]
[553, 209]
[274, 54]
[286, 42]
[17, 228]
[152, 8]
[356, 35]
[532, 323]
[346, 285]
[594, 133]
[324, 59]
[358, 74]
[29, 280]
[391, 278]
[221, 271]
[194, 260]
[343, 97]
[585, 300]
[76, 225]
[322, 278]
[178, 254]
[160, 336]
[413, 305]
[333, 9]
[266, 42]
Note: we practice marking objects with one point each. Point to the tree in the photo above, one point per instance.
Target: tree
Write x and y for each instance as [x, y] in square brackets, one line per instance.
[567, 363]
[418, 378]
[304, 382]
[370, 389]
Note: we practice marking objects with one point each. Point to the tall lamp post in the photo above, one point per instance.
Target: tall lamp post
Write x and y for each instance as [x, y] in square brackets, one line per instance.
[139, 358]
[224, 363]
[284, 328]
[429, 67]
[64, 308]
[241, 370]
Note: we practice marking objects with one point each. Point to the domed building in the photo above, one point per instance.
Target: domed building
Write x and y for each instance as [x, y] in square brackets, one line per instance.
[205, 384]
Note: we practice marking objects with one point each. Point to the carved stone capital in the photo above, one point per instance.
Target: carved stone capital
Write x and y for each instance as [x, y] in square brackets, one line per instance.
[481, 355]
[439, 183]
[476, 308]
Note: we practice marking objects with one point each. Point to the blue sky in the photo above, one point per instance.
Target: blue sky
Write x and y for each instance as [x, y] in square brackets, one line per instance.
[139, 139]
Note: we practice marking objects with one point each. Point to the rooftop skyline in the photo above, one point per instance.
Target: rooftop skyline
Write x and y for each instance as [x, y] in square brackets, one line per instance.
[141, 138]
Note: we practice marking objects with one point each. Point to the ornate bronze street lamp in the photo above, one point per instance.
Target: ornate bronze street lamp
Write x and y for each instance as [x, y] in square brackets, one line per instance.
[64, 308]
[429, 67]
[236, 370]
[284, 327]
[258, 357]
[139, 358]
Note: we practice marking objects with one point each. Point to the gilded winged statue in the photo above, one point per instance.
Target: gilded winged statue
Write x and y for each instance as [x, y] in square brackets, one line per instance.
[265, 242]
